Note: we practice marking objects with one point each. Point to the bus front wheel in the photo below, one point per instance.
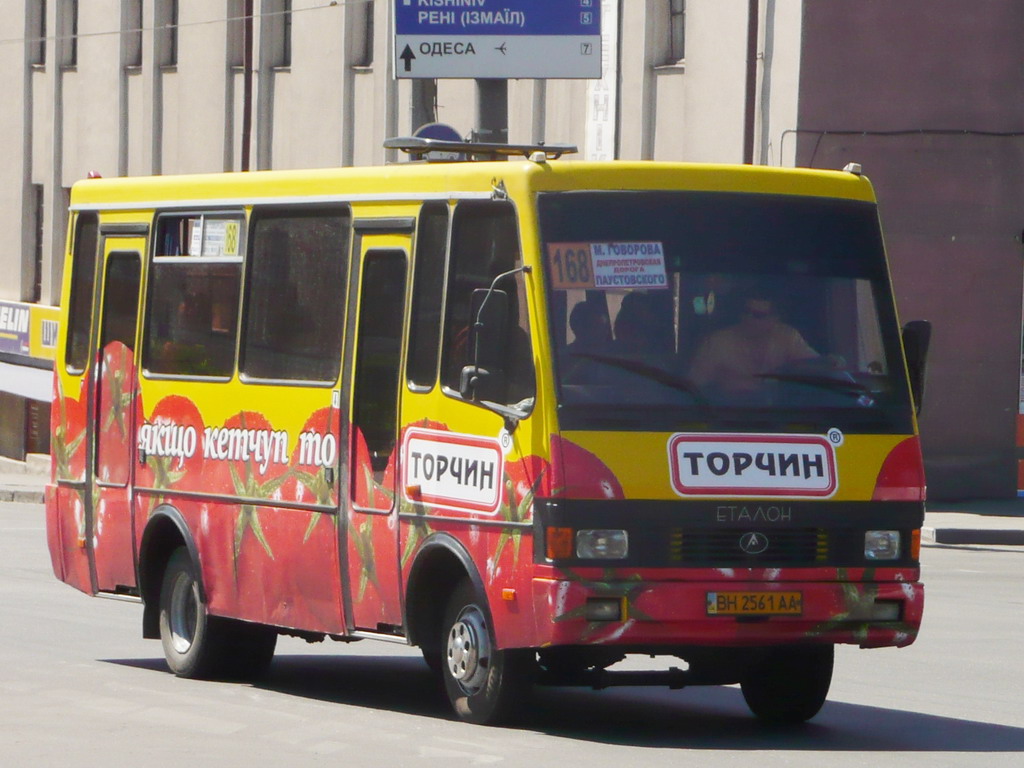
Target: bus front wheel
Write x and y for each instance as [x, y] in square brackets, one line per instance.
[485, 685]
[786, 686]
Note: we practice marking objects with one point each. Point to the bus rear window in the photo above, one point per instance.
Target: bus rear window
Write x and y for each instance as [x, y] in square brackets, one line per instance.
[83, 281]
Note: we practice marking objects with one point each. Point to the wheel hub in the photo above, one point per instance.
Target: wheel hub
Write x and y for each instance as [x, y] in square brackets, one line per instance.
[183, 613]
[469, 650]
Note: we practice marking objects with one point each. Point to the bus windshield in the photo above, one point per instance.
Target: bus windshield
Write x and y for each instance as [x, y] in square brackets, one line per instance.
[721, 310]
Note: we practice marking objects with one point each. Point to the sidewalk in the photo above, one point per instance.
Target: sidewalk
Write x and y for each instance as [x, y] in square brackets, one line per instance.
[23, 481]
[992, 522]
[996, 522]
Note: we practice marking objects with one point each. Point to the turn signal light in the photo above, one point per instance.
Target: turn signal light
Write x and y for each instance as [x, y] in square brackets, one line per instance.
[559, 543]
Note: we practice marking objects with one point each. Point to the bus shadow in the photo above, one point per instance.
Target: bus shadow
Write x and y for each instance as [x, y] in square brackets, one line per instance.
[715, 718]
[696, 718]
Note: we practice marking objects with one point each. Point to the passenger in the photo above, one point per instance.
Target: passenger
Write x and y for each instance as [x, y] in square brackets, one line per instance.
[591, 329]
[734, 360]
[636, 327]
[593, 338]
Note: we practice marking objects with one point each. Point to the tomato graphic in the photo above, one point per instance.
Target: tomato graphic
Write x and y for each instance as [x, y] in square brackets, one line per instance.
[117, 395]
[313, 565]
[252, 475]
[362, 471]
[362, 567]
[70, 560]
[314, 577]
[579, 474]
[524, 479]
[67, 425]
[172, 442]
[418, 528]
[312, 484]
[373, 538]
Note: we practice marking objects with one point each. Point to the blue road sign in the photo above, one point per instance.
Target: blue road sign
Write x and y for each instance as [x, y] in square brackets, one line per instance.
[497, 38]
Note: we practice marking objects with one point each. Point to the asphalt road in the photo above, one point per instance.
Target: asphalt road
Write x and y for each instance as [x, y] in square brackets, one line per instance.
[79, 687]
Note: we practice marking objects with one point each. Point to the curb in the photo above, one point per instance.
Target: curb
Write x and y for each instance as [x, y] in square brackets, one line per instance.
[990, 536]
[21, 497]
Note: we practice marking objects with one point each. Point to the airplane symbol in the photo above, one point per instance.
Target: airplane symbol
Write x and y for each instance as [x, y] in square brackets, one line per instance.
[503, 48]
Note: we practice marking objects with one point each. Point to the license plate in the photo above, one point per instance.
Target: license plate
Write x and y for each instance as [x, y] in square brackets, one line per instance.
[755, 603]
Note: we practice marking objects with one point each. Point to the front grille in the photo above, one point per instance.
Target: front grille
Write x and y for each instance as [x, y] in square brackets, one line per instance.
[741, 548]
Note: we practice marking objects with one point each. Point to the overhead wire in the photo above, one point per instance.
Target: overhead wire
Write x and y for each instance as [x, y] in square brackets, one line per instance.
[157, 28]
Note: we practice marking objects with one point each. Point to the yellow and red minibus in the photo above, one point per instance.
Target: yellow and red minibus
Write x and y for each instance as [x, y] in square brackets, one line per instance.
[531, 416]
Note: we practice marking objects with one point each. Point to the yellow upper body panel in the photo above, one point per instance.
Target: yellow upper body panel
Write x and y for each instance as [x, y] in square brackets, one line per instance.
[404, 180]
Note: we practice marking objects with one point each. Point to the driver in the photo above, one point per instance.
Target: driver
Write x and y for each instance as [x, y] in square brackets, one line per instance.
[732, 359]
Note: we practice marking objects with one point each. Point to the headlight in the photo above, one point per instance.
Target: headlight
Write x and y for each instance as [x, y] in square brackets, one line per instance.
[601, 544]
[882, 545]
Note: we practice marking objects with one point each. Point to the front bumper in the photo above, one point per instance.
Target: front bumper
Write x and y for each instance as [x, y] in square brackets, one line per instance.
[675, 613]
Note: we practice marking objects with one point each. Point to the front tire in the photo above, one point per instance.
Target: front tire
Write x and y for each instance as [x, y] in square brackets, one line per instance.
[787, 686]
[485, 685]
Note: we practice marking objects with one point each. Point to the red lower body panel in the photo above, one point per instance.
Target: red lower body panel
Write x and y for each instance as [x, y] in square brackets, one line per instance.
[676, 613]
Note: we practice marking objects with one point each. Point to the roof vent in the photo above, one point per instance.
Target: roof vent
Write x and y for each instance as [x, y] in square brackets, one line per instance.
[854, 168]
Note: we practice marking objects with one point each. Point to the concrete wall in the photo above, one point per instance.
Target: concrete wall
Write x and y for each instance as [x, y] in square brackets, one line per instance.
[936, 87]
[102, 116]
[15, 121]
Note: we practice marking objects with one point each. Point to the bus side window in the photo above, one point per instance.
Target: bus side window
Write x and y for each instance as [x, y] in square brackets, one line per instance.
[378, 361]
[298, 264]
[83, 282]
[485, 243]
[427, 294]
[120, 299]
[192, 311]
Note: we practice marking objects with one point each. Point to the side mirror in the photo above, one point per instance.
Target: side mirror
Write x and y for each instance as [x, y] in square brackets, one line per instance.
[917, 336]
[484, 377]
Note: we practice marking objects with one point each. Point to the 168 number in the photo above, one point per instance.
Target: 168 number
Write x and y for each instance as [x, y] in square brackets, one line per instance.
[571, 265]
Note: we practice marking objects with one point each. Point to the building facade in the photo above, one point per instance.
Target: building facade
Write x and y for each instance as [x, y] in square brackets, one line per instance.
[925, 94]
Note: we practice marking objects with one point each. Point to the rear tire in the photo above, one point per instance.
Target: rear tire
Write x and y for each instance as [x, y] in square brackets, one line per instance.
[197, 645]
[787, 686]
[485, 685]
[193, 643]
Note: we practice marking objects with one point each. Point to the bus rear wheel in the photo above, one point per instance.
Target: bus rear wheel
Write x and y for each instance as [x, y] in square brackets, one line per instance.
[787, 686]
[193, 646]
[485, 685]
[197, 645]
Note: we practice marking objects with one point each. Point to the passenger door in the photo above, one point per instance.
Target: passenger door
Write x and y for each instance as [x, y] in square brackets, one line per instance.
[115, 384]
[374, 351]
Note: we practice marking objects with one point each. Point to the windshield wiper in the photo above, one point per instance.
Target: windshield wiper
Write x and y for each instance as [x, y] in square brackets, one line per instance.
[846, 385]
[652, 372]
